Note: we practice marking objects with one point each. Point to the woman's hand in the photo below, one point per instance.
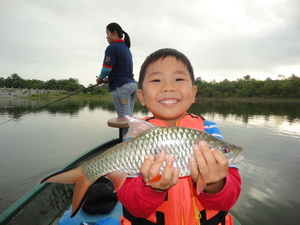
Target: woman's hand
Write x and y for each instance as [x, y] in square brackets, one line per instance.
[99, 81]
[209, 166]
[150, 172]
[105, 80]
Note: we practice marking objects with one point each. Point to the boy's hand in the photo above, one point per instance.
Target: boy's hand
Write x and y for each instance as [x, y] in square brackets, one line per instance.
[151, 167]
[211, 165]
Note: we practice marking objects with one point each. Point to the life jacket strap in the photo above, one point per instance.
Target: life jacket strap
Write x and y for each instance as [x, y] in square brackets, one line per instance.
[160, 219]
[215, 220]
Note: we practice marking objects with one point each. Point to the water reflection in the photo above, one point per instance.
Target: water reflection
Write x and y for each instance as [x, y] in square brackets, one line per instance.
[18, 107]
[268, 132]
[246, 110]
[243, 111]
[270, 169]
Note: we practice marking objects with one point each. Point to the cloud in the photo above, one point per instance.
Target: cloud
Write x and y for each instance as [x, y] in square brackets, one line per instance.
[223, 39]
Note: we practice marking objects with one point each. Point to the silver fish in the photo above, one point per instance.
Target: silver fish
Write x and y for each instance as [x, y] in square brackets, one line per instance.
[127, 157]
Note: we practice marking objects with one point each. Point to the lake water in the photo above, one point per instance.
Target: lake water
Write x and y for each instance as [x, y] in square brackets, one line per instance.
[37, 143]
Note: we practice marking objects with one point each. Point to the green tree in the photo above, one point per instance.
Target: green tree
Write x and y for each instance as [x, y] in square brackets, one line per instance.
[2, 82]
[34, 84]
[72, 85]
[52, 85]
[14, 81]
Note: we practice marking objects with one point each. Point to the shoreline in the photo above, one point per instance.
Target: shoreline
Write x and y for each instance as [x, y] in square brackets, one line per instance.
[18, 93]
[24, 92]
[253, 99]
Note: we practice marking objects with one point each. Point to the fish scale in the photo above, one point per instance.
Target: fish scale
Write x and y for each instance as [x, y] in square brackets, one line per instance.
[127, 157]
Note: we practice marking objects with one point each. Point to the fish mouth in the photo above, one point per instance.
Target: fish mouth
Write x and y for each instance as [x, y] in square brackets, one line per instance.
[168, 101]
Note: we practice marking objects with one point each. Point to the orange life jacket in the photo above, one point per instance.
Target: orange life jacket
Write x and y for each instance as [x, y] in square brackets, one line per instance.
[181, 205]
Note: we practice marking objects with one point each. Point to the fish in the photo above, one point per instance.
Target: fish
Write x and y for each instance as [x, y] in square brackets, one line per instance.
[126, 158]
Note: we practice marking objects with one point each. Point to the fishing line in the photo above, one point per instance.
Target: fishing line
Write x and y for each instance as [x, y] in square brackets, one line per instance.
[17, 117]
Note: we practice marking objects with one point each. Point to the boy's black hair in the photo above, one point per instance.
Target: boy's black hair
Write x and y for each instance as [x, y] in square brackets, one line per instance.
[116, 27]
[162, 54]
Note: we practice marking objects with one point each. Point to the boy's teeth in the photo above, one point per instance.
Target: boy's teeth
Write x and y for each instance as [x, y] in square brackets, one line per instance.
[168, 101]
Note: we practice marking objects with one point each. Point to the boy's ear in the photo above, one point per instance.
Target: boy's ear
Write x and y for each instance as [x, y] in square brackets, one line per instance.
[140, 96]
[194, 92]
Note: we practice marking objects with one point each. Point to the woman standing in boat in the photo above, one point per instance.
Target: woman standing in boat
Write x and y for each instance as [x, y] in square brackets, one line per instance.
[117, 70]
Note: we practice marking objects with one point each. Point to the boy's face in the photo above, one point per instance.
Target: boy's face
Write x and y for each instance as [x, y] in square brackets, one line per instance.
[167, 91]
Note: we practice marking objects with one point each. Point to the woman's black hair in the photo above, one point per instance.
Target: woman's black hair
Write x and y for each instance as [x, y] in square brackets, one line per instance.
[162, 54]
[116, 27]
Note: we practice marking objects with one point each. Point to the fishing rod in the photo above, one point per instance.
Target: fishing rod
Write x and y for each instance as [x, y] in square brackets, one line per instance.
[49, 103]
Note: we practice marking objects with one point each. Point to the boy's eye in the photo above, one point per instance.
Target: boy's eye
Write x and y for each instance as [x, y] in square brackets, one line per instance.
[179, 79]
[155, 81]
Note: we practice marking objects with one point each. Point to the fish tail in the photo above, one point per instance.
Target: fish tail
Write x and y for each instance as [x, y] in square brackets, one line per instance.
[82, 184]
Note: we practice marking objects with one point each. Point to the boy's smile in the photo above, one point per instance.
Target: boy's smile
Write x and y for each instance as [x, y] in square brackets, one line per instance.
[168, 101]
[167, 91]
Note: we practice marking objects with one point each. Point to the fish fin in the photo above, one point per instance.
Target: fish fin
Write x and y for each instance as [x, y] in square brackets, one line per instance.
[117, 179]
[237, 159]
[64, 176]
[82, 184]
[137, 126]
[154, 179]
[200, 185]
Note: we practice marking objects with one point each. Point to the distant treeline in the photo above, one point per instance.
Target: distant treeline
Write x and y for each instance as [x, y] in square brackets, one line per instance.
[15, 81]
[245, 87]
[248, 87]
[69, 85]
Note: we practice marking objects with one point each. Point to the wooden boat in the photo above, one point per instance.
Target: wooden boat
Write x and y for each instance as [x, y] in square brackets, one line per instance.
[46, 203]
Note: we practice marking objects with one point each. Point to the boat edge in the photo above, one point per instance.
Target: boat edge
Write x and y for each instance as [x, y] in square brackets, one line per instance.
[20, 203]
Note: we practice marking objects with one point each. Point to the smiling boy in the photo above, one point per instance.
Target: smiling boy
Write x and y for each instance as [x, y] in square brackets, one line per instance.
[167, 89]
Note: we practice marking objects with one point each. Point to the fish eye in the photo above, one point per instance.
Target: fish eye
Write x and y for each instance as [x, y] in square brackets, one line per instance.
[225, 149]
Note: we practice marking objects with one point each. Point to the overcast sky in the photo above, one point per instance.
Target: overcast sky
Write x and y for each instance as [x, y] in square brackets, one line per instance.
[45, 39]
